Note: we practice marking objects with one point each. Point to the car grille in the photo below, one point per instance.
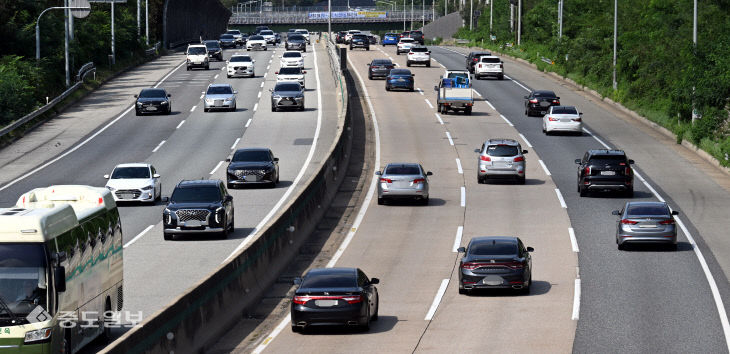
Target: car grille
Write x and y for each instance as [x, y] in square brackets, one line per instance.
[184, 215]
[122, 193]
[258, 173]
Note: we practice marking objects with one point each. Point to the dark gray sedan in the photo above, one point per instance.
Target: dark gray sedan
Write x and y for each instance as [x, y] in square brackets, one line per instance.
[295, 41]
[495, 262]
[227, 41]
[646, 222]
[287, 94]
[379, 68]
[403, 181]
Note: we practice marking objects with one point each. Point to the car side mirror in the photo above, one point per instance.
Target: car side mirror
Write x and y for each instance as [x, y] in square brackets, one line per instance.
[524, 152]
[530, 249]
[59, 278]
[228, 159]
[435, 88]
[526, 97]
[631, 162]
[136, 96]
[304, 72]
[412, 75]
[368, 64]
[577, 161]
[169, 95]
[106, 176]
[675, 212]
[374, 281]
[165, 199]
[276, 159]
[271, 90]
[557, 97]
[581, 113]
[461, 250]
[615, 212]
[228, 62]
[156, 175]
[477, 150]
[378, 173]
[276, 72]
[253, 61]
[235, 92]
[429, 52]
[228, 198]
[297, 281]
[429, 173]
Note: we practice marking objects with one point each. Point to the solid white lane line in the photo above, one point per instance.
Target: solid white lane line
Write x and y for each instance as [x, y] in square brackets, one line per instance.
[525, 139]
[248, 122]
[256, 106]
[262, 84]
[458, 166]
[437, 300]
[428, 103]
[237, 139]
[597, 139]
[442, 65]
[518, 84]
[216, 76]
[259, 96]
[457, 240]
[168, 75]
[439, 118]
[148, 228]
[480, 95]
[560, 198]
[180, 125]
[284, 322]
[216, 167]
[573, 240]
[451, 141]
[192, 109]
[576, 301]
[544, 167]
[463, 196]
[158, 146]
[299, 176]
[507, 120]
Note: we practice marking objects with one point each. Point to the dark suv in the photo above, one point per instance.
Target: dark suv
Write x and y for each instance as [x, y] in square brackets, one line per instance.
[473, 58]
[605, 170]
[201, 206]
[418, 36]
[252, 166]
[214, 49]
[360, 41]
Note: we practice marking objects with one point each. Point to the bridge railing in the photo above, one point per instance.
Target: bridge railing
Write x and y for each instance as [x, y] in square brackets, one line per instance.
[308, 15]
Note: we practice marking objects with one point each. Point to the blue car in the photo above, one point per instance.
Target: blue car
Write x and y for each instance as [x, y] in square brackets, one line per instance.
[399, 78]
[390, 38]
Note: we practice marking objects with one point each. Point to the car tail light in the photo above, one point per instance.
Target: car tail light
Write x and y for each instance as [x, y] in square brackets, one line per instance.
[577, 119]
[627, 171]
[480, 65]
[667, 222]
[419, 180]
[553, 119]
[519, 159]
[485, 158]
[629, 222]
[351, 299]
[534, 100]
[386, 180]
[587, 171]
[301, 300]
[470, 265]
[474, 59]
[501, 66]
[556, 102]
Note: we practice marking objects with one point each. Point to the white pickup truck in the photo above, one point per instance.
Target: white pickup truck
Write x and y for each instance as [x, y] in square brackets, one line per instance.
[455, 94]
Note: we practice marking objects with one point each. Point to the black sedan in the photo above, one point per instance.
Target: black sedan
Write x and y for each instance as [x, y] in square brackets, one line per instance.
[495, 262]
[152, 101]
[214, 49]
[295, 41]
[538, 102]
[379, 68]
[360, 41]
[227, 41]
[334, 296]
[252, 166]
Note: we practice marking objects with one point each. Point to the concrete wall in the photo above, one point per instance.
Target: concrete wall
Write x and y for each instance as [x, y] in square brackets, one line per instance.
[444, 27]
[186, 21]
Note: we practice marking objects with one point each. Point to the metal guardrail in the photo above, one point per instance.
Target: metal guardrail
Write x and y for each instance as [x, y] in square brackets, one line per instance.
[152, 50]
[85, 70]
[303, 17]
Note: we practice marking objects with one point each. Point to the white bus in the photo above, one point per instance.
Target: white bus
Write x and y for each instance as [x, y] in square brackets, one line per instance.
[61, 269]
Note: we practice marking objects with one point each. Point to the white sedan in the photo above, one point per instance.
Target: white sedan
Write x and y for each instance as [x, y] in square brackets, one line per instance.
[562, 119]
[256, 43]
[292, 59]
[134, 182]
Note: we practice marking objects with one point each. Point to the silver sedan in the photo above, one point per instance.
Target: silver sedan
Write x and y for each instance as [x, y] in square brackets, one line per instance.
[219, 96]
[646, 222]
[403, 181]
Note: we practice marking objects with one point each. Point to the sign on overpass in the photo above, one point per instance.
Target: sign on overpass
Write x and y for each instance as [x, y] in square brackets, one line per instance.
[348, 14]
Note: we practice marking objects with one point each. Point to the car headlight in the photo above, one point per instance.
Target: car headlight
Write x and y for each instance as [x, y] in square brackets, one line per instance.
[218, 215]
[208, 100]
[110, 188]
[146, 188]
[163, 102]
[139, 103]
[167, 215]
[38, 335]
[277, 96]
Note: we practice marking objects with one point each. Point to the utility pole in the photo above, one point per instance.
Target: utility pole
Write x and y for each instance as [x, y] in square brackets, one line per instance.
[694, 52]
[615, 28]
[404, 15]
[114, 57]
[491, 9]
[329, 22]
[423, 14]
[471, 15]
[139, 28]
[146, 22]
[411, 15]
[511, 17]
[519, 22]
[66, 15]
[560, 19]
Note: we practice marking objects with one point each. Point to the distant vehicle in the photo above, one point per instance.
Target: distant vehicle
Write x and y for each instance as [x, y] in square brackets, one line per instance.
[340, 37]
[562, 119]
[227, 41]
[419, 55]
[292, 59]
[538, 102]
[495, 262]
[134, 182]
[291, 74]
[219, 96]
[287, 94]
[379, 68]
[501, 158]
[454, 94]
[240, 65]
[214, 49]
[399, 78]
[405, 45]
[305, 33]
[277, 36]
[390, 39]
[268, 36]
[198, 207]
[605, 170]
[489, 66]
[359, 41]
[646, 222]
[237, 35]
[417, 36]
[405, 34]
[252, 166]
[151, 101]
[256, 43]
[344, 296]
[49, 239]
[403, 181]
[196, 55]
[372, 38]
[349, 35]
[295, 42]
[261, 28]
[473, 58]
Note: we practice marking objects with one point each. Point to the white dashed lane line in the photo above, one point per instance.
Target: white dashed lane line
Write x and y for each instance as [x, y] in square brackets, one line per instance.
[259, 96]
[192, 109]
[180, 125]
[457, 240]
[262, 84]
[216, 167]
[451, 141]
[215, 77]
[463, 196]
[428, 103]
[560, 198]
[573, 240]
[439, 118]
[249, 122]
[158, 146]
[458, 166]
[237, 140]
[255, 107]
[437, 300]
[576, 301]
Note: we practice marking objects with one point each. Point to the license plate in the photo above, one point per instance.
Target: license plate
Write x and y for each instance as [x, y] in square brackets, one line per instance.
[501, 164]
[218, 102]
[491, 282]
[608, 173]
[565, 120]
[193, 223]
[401, 80]
[325, 303]
[250, 178]
[648, 226]
[127, 196]
[151, 108]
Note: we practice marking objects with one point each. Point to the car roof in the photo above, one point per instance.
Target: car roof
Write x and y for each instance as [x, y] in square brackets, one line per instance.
[648, 203]
[544, 92]
[293, 51]
[199, 182]
[253, 149]
[403, 164]
[133, 164]
[210, 41]
[489, 56]
[240, 55]
[326, 271]
[502, 142]
[483, 239]
[196, 45]
[220, 85]
[605, 152]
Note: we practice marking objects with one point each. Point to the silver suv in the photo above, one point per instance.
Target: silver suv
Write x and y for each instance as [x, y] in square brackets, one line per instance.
[501, 158]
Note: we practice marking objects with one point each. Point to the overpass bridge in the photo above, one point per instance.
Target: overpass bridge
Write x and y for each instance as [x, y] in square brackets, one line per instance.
[320, 15]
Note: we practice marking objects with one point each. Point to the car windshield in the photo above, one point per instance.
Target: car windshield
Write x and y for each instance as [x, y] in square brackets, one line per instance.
[196, 51]
[212, 45]
[219, 90]
[241, 58]
[564, 110]
[402, 170]
[296, 37]
[398, 72]
[292, 55]
[457, 75]
[495, 248]
[608, 159]
[234, 32]
[290, 71]
[199, 194]
[152, 93]
[359, 36]
[407, 40]
[227, 36]
[22, 278]
[648, 209]
[256, 38]
[419, 50]
[266, 33]
[390, 34]
[302, 31]
[335, 280]
[130, 172]
[489, 60]
[251, 155]
[288, 87]
[544, 94]
[382, 62]
[502, 150]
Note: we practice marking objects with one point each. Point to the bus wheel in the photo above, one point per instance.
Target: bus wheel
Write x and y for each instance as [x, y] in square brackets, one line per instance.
[106, 333]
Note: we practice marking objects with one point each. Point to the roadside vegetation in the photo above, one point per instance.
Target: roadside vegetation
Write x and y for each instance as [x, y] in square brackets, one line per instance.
[657, 65]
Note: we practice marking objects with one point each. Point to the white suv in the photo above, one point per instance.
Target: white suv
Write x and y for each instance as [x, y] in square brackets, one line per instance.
[291, 74]
[405, 45]
[240, 65]
[134, 182]
[304, 33]
[489, 65]
[419, 55]
[292, 59]
[197, 55]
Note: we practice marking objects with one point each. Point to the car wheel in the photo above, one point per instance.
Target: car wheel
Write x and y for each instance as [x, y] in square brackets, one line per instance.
[381, 201]
[187, 68]
[230, 186]
[297, 329]
[408, 63]
[206, 109]
[501, 77]
[387, 88]
[224, 234]
[424, 201]
[621, 247]
[464, 291]
[304, 50]
[273, 108]
[428, 65]
[169, 109]
[248, 49]
[629, 193]
[377, 309]
[467, 111]
[544, 131]
[370, 76]
[301, 108]
[233, 109]
[167, 236]
[350, 47]
[521, 180]
[233, 224]
[526, 290]
[228, 76]
[366, 326]
[527, 112]
[583, 191]
[137, 113]
[397, 52]
[411, 89]
[207, 67]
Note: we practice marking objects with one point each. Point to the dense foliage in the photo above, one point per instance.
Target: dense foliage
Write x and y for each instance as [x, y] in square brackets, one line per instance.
[25, 83]
[657, 65]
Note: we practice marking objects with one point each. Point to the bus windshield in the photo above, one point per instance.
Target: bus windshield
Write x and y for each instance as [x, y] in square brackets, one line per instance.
[22, 278]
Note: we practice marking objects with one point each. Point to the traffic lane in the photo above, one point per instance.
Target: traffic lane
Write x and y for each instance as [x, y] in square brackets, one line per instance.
[688, 299]
[403, 244]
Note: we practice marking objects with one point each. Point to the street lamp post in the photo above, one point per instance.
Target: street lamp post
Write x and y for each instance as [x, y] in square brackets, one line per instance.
[694, 52]
[411, 15]
[491, 9]
[471, 14]
[404, 15]
[38, 36]
[615, 27]
[147, 22]
[560, 19]
[519, 22]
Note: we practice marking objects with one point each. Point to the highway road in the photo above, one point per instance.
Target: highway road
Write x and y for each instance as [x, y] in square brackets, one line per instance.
[191, 144]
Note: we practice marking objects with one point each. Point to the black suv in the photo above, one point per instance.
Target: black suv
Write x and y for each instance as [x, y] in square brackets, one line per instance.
[201, 206]
[252, 166]
[418, 36]
[605, 170]
[360, 41]
[539, 101]
[473, 58]
[214, 49]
